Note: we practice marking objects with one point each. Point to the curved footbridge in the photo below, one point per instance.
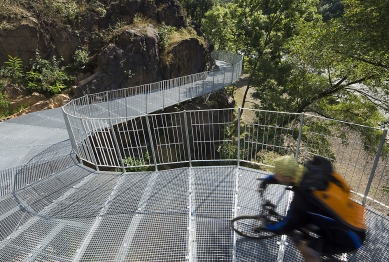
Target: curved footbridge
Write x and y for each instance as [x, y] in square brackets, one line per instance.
[53, 208]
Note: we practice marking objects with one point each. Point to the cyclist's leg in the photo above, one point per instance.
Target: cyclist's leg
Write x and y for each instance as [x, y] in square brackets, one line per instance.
[340, 242]
[308, 253]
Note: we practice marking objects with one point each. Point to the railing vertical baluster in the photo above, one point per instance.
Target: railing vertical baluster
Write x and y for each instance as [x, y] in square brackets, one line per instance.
[377, 158]
[71, 134]
[14, 180]
[125, 101]
[90, 148]
[213, 79]
[224, 75]
[151, 143]
[187, 138]
[163, 93]
[238, 151]
[204, 78]
[299, 136]
[179, 93]
[119, 154]
[146, 93]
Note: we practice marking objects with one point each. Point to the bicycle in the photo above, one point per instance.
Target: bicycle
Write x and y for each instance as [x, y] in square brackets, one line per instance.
[244, 226]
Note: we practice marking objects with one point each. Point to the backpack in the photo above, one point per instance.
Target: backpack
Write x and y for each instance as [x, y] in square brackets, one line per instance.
[333, 193]
[336, 200]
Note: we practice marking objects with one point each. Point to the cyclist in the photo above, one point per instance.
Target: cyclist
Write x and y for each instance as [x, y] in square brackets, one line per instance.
[321, 199]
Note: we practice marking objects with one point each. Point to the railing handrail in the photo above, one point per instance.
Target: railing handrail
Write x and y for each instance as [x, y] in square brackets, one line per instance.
[233, 59]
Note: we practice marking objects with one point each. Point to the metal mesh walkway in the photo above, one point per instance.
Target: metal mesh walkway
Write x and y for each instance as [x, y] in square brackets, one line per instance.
[175, 215]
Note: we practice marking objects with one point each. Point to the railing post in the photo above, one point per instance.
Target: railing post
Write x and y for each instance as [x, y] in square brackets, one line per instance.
[109, 109]
[116, 145]
[179, 92]
[125, 100]
[146, 92]
[213, 80]
[90, 149]
[299, 137]
[151, 143]
[224, 76]
[70, 132]
[238, 151]
[232, 73]
[377, 158]
[204, 78]
[187, 138]
[14, 181]
[163, 94]
[88, 105]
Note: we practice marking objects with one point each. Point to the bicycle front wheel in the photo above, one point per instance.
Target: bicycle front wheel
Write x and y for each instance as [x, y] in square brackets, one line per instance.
[245, 225]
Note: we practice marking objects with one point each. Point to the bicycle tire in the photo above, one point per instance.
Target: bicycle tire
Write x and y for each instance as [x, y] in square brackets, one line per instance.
[244, 225]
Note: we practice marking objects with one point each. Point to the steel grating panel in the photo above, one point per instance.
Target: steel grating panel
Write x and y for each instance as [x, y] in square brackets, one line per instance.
[248, 203]
[19, 147]
[213, 192]
[172, 215]
[48, 119]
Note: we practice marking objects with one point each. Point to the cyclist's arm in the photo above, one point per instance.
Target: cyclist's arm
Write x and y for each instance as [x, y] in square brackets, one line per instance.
[270, 179]
[294, 219]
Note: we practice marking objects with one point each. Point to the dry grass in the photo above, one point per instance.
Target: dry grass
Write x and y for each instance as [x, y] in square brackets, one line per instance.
[183, 34]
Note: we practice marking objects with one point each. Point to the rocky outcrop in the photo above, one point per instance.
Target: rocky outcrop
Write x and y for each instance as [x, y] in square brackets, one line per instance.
[122, 54]
[191, 56]
[21, 41]
[132, 60]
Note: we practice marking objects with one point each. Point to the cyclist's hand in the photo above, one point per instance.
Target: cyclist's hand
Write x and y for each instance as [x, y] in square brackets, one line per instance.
[262, 186]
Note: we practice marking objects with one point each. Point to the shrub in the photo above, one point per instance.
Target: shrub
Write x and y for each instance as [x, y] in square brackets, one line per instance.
[164, 31]
[47, 77]
[80, 57]
[3, 101]
[137, 164]
[13, 69]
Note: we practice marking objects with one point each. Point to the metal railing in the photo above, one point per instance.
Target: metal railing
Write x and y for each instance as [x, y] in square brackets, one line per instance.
[220, 137]
[148, 98]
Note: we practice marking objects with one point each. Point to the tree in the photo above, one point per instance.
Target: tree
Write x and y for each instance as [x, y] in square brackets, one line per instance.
[196, 9]
[220, 27]
[299, 63]
[330, 9]
[260, 29]
[323, 72]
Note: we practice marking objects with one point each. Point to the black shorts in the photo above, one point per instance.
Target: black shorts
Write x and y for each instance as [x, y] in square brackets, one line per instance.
[337, 241]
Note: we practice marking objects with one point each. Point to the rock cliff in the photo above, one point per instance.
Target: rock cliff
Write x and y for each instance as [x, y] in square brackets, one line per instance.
[122, 38]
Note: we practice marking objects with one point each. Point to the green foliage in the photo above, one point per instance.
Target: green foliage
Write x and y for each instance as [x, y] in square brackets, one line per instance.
[128, 73]
[13, 69]
[3, 101]
[68, 9]
[385, 189]
[219, 24]
[196, 9]
[228, 150]
[81, 58]
[330, 9]
[164, 31]
[314, 138]
[47, 76]
[133, 164]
